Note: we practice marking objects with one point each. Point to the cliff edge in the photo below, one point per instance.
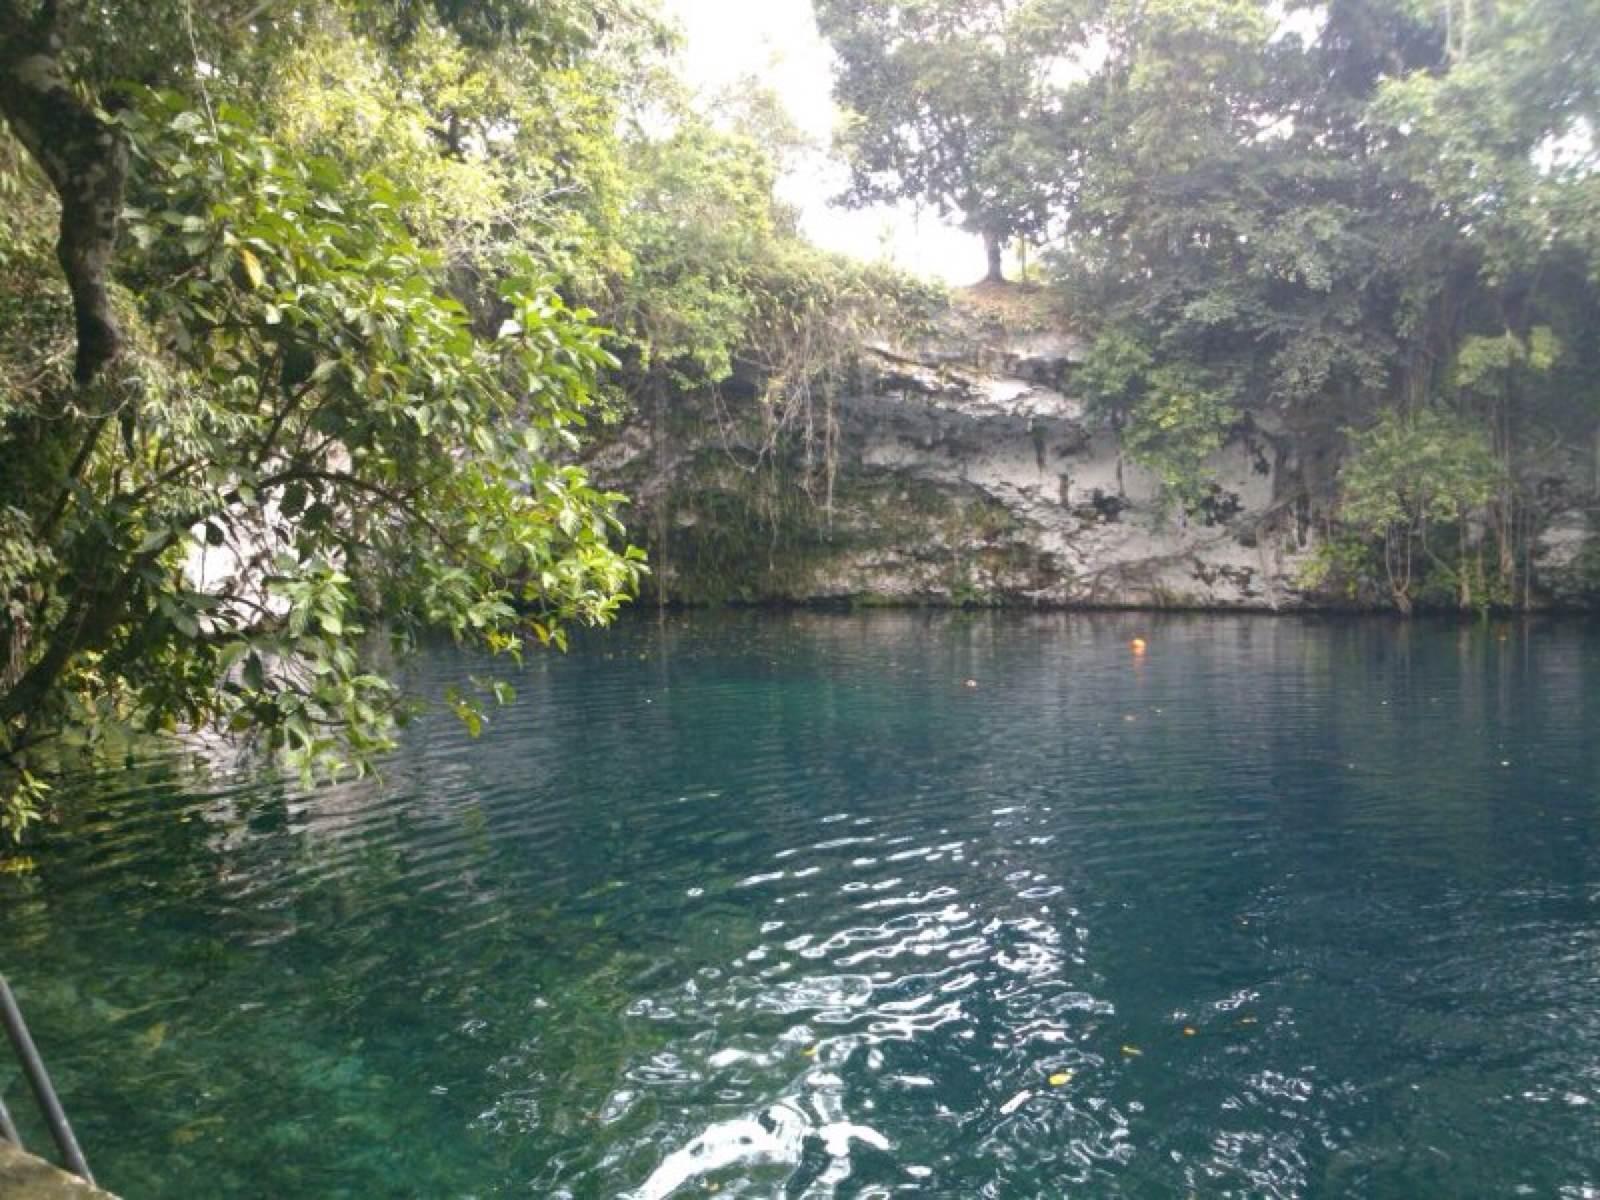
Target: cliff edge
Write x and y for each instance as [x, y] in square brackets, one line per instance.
[957, 466]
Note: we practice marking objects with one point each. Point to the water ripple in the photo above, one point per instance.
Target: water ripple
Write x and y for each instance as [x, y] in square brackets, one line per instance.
[777, 905]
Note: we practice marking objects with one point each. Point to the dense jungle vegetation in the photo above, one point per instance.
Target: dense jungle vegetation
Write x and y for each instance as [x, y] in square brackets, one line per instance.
[1388, 212]
[306, 305]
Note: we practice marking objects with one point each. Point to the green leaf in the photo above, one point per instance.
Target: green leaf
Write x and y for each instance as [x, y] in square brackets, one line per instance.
[153, 540]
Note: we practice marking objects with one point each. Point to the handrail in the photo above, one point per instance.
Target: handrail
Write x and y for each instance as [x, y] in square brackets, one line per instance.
[8, 1128]
[43, 1090]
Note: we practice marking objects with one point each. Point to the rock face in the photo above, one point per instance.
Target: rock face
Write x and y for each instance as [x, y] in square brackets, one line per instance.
[1056, 515]
[965, 471]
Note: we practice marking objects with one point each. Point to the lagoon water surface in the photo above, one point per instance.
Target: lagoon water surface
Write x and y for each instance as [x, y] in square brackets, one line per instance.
[779, 906]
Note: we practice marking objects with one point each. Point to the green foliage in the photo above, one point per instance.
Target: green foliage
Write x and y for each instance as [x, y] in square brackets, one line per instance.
[1345, 563]
[1410, 469]
[23, 797]
[550, 32]
[314, 440]
[393, 438]
[1176, 427]
[502, 159]
[723, 292]
[1389, 206]
[1497, 142]
[718, 273]
[699, 219]
[1219, 209]
[1172, 417]
[1113, 375]
[1410, 475]
[1483, 363]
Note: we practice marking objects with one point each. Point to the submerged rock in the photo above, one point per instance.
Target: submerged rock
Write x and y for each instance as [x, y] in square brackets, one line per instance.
[24, 1177]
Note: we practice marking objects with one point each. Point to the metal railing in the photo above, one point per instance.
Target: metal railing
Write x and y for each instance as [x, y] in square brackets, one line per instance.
[43, 1090]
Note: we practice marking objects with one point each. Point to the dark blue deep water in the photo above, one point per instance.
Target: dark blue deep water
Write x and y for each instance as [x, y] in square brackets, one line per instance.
[778, 906]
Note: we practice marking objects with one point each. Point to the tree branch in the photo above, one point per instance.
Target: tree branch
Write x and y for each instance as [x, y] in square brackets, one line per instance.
[85, 158]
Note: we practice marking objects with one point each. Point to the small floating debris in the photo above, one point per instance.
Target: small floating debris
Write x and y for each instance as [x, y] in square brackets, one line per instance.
[971, 683]
[1061, 1079]
[1189, 1031]
[1138, 645]
[1016, 1102]
[1133, 1052]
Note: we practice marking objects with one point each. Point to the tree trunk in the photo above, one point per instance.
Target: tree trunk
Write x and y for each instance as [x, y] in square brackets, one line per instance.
[85, 159]
[992, 246]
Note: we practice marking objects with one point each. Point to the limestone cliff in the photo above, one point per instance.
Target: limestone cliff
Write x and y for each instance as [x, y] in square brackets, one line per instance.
[959, 468]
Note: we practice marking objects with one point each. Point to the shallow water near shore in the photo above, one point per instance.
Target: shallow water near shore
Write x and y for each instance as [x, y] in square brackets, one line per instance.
[779, 905]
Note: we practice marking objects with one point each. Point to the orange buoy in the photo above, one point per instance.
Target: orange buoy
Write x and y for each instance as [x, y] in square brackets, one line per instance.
[1137, 645]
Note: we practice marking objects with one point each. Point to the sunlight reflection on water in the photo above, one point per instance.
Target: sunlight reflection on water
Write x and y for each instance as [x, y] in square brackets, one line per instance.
[778, 905]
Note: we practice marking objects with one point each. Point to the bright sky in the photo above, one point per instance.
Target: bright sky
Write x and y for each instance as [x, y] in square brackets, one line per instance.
[777, 41]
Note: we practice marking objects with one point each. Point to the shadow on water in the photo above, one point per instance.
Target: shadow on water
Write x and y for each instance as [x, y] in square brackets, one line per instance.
[778, 903]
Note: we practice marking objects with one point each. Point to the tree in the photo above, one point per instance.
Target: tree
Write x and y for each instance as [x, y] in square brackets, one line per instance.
[1412, 474]
[951, 103]
[724, 292]
[305, 409]
[1322, 216]
[1226, 211]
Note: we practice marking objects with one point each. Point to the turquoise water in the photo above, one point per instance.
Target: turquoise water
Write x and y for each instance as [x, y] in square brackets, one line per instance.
[778, 906]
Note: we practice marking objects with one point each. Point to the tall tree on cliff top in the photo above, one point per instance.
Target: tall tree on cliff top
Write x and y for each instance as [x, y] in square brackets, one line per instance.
[951, 103]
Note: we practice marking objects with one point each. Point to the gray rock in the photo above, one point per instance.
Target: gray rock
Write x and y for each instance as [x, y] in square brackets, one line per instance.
[24, 1177]
[966, 471]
